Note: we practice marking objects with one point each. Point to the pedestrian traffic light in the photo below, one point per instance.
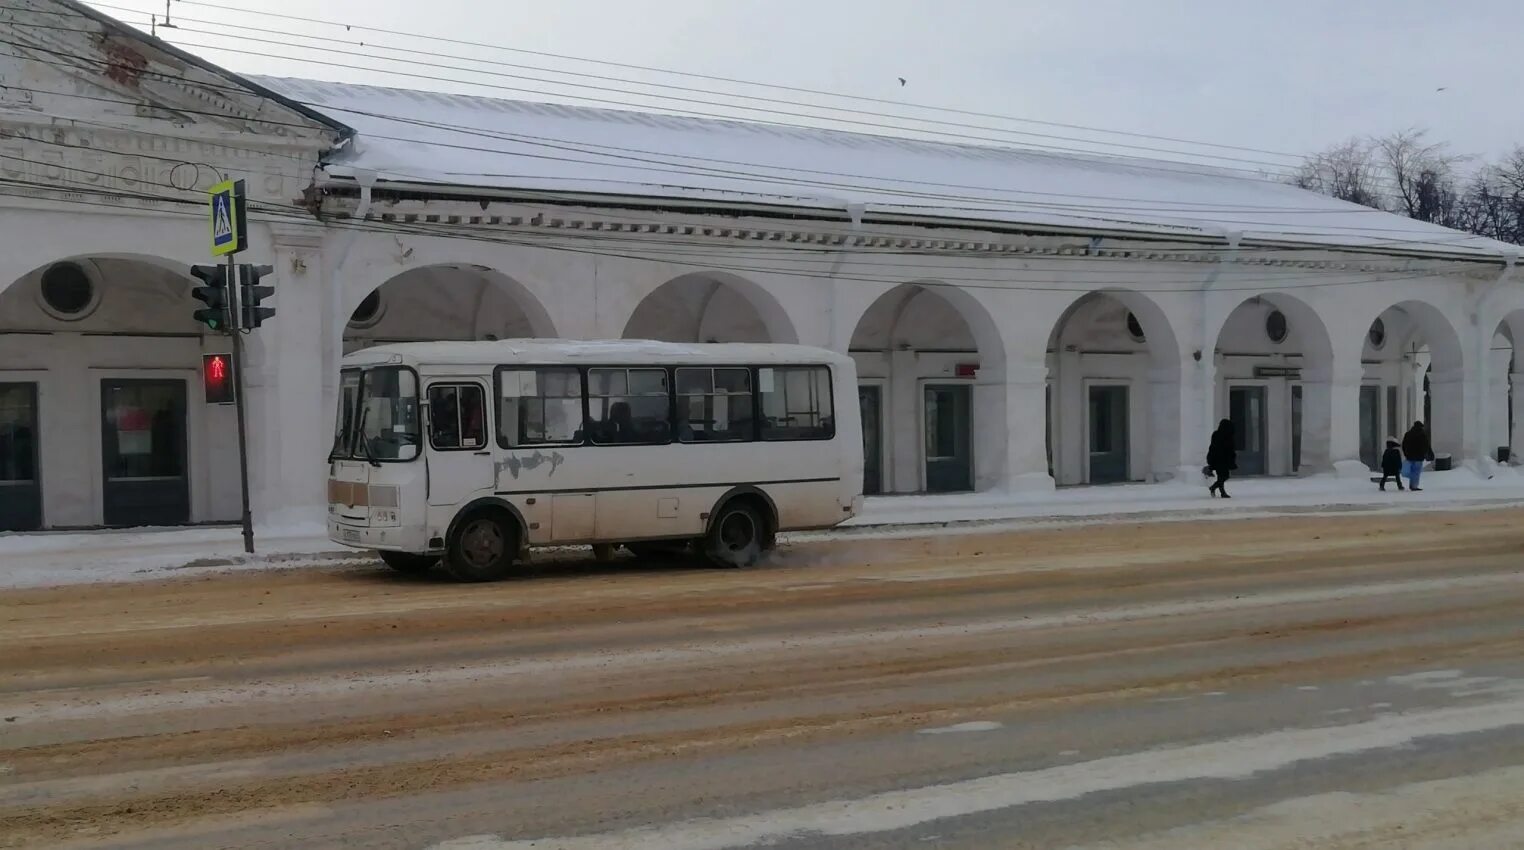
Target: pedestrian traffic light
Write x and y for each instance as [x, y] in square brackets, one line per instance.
[217, 378]
[250, 294]
[214, 294]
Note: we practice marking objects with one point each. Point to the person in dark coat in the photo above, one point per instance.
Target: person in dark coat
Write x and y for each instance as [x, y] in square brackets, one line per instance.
[1222, 458]
[1415, 450]
[1391, 463]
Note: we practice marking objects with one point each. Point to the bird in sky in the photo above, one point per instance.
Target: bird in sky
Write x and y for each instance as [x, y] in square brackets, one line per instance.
[902, 80]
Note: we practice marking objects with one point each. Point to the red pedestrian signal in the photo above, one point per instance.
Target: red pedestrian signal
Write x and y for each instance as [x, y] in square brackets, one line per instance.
[217, 378]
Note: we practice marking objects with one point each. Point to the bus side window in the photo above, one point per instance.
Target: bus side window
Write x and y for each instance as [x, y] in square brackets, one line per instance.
[714, 405]
[796, 403]
[539, 406]
[456, 417]
[629, 406]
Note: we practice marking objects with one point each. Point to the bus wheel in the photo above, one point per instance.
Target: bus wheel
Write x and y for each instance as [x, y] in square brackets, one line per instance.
[407, 562]
[737, 538]
[482, 547]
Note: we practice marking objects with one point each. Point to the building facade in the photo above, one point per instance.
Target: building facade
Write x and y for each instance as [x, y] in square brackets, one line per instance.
[1020, 320]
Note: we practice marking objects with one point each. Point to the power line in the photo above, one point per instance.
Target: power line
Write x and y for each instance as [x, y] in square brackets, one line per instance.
[242, 37]
[712, 78]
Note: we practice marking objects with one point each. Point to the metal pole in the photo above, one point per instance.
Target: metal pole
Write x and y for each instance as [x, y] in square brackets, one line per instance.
[235, 321]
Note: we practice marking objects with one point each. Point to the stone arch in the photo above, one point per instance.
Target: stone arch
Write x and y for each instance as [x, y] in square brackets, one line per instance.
[1113, 360]
[710, 307]
[1422, 370]
[443, 301]
[106, 400]
[132, 292]
[1279, 393]
[931, 365]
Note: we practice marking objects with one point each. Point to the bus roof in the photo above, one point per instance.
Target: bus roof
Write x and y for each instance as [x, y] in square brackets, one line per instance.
[589, 352]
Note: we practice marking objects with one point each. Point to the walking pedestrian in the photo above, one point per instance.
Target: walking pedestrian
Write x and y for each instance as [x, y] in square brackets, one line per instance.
[1222, 458]
[1415, 450]
[1391, 463]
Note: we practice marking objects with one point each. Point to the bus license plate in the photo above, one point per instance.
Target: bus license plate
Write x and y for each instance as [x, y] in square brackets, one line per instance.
[350, 535]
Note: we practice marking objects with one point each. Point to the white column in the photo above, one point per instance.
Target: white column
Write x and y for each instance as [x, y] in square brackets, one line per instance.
[1516, 433]
[289, 412]
[1171, 427]
[1450, 391]
[902, 424]
[1331, 417]
[1010, 420]
[1477, 394]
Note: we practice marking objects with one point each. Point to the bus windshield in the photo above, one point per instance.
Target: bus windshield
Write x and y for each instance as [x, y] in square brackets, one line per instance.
[378, 415]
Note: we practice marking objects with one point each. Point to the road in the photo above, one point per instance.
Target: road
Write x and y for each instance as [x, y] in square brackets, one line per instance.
[1329, 682]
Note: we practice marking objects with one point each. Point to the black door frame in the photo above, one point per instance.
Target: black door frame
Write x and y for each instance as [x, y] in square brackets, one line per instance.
[876, 389]
[1123, 427]
[22, 507]
[145, 516]
[967, 388]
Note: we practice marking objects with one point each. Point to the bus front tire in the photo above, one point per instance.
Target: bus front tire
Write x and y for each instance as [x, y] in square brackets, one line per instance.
[482, 547]
[408, 562]
[739, 536]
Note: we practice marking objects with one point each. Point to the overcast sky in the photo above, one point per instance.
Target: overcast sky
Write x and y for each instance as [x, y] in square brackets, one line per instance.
[1281, 75]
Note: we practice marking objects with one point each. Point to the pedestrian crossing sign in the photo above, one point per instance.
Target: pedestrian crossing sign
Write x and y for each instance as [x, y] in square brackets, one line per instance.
[229, 229]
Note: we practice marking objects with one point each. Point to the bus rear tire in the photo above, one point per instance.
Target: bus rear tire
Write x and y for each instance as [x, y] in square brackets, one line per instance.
[408, 562]
[739, 536]
[482, 547]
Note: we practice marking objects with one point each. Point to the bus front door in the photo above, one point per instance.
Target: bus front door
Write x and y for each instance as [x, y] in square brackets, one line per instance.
[459, 458]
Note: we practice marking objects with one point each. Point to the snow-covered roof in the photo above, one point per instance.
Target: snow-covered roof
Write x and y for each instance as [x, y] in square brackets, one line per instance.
[592, 352]
[464, 141]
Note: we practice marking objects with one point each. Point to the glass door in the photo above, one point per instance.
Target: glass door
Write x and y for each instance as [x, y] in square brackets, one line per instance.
[1108, 435]
[1246, 407]
[143, 450]
[1370, 426]
[870, 404]
[20, 493]
[949, 438]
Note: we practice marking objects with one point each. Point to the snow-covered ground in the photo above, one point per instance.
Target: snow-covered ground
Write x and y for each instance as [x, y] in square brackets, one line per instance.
[52, 558]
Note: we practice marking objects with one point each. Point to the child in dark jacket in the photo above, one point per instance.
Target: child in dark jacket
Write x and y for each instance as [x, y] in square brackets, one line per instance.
[1391, 463]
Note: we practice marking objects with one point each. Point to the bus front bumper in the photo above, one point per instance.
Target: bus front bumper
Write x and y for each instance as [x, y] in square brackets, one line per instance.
[365, 537]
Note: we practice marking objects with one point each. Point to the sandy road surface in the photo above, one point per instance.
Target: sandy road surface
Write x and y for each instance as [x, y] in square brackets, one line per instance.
[1345, 682]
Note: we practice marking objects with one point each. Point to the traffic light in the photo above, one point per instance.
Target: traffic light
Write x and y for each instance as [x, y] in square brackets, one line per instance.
[214, 294]
[250, 294]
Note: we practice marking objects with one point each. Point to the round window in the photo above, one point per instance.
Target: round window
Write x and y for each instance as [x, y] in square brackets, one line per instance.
[67, 290]
[1377, 334]
[368, 313]
[1135, 328]
[1275, 326]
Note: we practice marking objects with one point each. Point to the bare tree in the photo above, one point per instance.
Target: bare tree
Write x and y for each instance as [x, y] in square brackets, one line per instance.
[1493, 203]
[1421, 176]
[1347, 171]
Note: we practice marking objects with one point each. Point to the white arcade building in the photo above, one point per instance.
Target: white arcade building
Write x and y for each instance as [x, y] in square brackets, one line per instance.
[1020, 320]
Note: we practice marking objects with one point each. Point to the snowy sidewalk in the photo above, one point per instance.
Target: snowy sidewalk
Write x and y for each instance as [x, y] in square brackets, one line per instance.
[46, 559]
[1452, 490]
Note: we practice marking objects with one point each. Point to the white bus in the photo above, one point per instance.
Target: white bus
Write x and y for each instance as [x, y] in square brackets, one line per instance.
[468, 453]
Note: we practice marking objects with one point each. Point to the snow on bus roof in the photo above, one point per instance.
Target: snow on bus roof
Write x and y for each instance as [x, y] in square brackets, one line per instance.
[614, 351]
[466, 142]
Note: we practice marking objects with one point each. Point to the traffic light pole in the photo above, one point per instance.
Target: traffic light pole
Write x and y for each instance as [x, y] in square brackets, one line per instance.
[238, 404]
